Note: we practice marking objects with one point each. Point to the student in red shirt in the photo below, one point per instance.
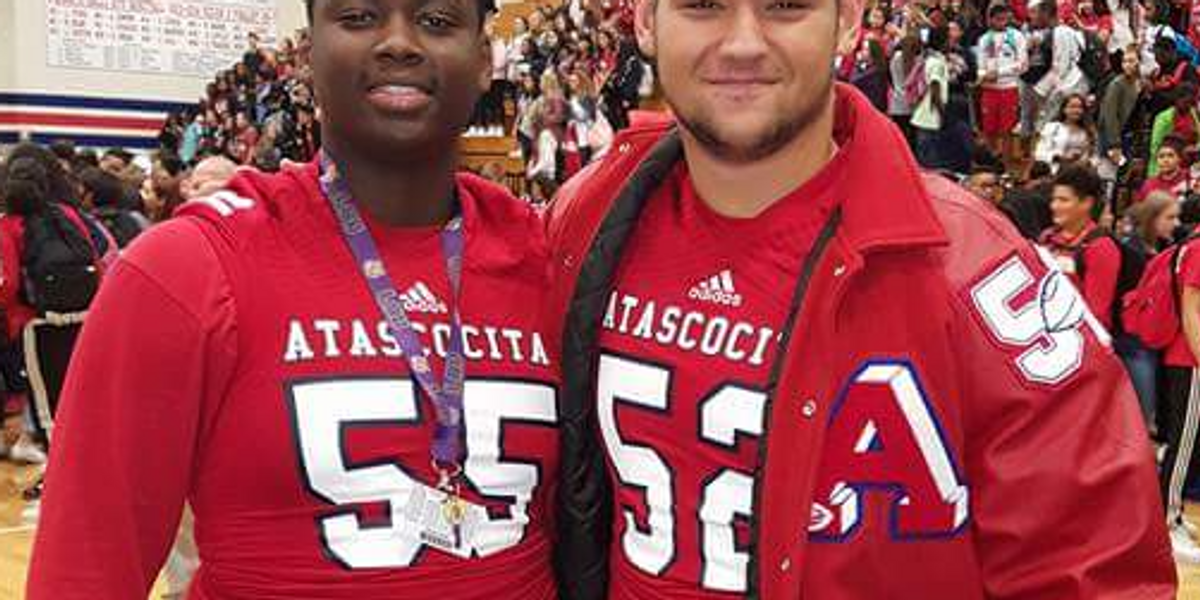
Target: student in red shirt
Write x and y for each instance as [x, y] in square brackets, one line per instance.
[1084, 251]
[1179, 406]
[1172, 174]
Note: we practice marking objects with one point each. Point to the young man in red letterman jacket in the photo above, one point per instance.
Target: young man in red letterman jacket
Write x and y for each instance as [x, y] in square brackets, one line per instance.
[796, 367]
[352, 384]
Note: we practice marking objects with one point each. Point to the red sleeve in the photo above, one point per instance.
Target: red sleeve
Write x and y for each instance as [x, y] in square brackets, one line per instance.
[1103, 260]
[158, 344]
[1064, 494]
[1189, 266]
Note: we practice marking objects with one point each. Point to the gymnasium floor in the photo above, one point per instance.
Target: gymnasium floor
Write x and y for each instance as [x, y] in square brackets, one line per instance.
[16, 536]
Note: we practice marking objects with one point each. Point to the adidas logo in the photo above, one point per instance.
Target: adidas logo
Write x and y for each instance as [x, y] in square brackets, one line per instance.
[419, 298]
[717, 289]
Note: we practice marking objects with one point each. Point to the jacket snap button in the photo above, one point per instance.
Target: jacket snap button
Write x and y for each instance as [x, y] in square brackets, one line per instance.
[839, 270]
[809, 409]
[623, 148]
[785, 565]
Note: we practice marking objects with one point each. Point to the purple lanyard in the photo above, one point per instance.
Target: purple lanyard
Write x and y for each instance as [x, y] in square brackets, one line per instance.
[447, 398]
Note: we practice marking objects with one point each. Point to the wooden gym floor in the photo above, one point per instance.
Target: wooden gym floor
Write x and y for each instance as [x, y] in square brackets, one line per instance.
[16, 537]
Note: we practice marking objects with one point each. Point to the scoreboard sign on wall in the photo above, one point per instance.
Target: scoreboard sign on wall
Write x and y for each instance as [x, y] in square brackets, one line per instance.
[188, 38]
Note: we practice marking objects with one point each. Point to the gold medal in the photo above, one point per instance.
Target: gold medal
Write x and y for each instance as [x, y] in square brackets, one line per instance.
[454, 509]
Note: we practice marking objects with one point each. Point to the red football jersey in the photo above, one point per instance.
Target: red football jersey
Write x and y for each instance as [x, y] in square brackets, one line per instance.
[235, 359]
[688, 342]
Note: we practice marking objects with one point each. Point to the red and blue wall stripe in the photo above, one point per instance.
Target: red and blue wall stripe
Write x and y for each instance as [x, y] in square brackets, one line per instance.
[91, 121]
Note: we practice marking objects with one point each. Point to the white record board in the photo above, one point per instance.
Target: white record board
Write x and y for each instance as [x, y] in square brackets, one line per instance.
[186, 38]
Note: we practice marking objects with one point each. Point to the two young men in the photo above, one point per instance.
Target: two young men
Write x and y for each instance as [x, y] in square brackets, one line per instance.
[792, 365]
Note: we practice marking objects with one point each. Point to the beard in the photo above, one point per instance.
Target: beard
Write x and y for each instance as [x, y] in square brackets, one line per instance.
[702, 125]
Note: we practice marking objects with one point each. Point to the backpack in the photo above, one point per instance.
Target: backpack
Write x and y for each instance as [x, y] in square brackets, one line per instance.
[1187, 50]
[1040, 59]
[1151, 310]
[1133, 264]
[1093, 59]
[123, 225]
[58, 264]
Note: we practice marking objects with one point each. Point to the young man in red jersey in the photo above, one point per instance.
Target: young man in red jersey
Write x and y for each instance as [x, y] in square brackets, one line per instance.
[309, 333]
[797, 367]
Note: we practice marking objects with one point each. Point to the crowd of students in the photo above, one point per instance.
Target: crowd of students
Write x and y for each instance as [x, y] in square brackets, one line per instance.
[563, 80]
[258, 112]
[66, 213]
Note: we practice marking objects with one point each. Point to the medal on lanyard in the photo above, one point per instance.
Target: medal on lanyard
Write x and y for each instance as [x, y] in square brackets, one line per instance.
[447, 397]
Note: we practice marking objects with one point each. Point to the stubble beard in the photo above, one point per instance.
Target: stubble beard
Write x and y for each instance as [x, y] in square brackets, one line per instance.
[701, 124]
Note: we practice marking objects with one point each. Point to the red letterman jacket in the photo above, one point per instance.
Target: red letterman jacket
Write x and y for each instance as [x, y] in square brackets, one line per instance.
[1016, 463]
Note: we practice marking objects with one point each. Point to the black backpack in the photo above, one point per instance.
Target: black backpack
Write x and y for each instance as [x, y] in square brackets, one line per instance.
[1133, 263]
[120, 223]
[58, 264]
[1041, 58]
[1093, 61]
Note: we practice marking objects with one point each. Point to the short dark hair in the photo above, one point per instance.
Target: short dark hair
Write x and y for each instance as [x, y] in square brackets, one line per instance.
[1174, 142]
[998, 8]
[1049, 7]
[1085, 182]
[106, 189]
[26, 189]
[63, 149]
[486, 7]
[939, 37]
[1040, 169]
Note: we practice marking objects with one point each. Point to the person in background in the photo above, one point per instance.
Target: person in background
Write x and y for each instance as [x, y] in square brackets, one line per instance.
[104, 197]
[928, 119]
[1182, 120]
[1028, 205]
[1040, 48]
[1088, 19]
[1086, 253]
[1065, 78]
[1120, 100]
[23, 182]
[161, 191]
[1070, 137]
[1171, 173]
[958, 136]
[1002, 58]
[902, 65]
[1178, 411]
[984, 181]
[207, 177]
[190, 144]
[116, 160]
[867, 66]
[1152, 227]
[1170, 70]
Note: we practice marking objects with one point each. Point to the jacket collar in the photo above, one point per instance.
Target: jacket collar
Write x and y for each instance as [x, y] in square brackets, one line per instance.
[885, 203]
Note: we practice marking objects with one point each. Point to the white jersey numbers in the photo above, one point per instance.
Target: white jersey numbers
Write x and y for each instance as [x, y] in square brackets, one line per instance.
[883, 441]
[323, 410]
[727, 495]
